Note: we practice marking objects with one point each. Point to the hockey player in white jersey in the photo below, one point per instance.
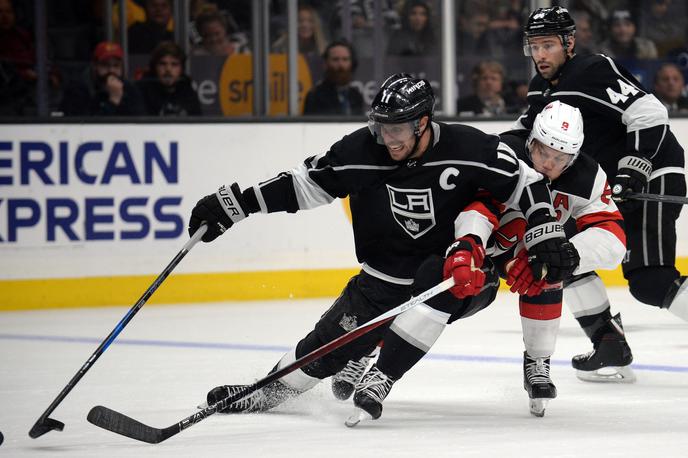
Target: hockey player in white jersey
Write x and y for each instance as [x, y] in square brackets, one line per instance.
[627, 132]
[412, 184]
[579, 192]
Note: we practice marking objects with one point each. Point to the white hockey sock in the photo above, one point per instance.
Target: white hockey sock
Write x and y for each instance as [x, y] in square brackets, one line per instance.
[586, 296]
[420, 326]
[540, 317]
[679, 306]
[540, 336]
[298, 379]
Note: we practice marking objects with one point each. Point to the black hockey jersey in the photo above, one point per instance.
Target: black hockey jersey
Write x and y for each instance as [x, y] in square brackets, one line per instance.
[404, 211]
[620, 117]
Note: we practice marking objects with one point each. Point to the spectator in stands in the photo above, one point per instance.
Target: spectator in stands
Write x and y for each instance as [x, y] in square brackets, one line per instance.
[669, 88]
[586, 43]
[311, 37]
[166, 90]
[416, 37]
[516, 96]
[664, 24]
[216, 36]
[487, 100]
[334, 95]
[16, 44]
[623, 43]
[505, 26]
[472, 37]
[363, 23]
[103, 91]
[144, 36]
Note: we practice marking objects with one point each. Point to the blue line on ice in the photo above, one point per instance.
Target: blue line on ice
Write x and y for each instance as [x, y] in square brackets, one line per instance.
[281, 349]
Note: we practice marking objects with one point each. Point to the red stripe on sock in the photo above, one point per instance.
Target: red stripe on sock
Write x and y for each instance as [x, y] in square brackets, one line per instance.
[539, 311]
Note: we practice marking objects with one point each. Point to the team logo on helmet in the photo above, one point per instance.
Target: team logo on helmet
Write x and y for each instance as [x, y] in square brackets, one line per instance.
[412, 209]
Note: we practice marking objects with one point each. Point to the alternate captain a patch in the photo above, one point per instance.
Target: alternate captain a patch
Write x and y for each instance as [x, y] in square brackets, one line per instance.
[412, 209]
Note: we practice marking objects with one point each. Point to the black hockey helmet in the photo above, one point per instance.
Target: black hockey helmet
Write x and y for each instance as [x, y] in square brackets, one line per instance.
[554, 20]
[402, 98]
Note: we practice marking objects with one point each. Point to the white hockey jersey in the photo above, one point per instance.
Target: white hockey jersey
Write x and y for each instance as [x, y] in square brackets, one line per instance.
[581, 195]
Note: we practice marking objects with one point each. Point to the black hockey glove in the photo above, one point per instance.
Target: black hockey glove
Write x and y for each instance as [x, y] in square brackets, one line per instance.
[632, 175]
[550, 254]
[220, 211]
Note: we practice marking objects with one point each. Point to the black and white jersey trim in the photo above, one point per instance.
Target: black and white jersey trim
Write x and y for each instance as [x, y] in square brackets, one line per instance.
[383, 276]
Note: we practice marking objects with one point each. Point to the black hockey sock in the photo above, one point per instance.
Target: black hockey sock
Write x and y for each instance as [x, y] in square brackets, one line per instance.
[592, 324]
[398, 356]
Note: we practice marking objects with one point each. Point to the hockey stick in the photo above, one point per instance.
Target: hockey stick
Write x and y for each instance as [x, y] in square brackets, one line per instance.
[658, 198]
[116, 422]
[45, 424]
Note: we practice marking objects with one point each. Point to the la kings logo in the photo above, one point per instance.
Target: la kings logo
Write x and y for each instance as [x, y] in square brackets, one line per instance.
[412, 209]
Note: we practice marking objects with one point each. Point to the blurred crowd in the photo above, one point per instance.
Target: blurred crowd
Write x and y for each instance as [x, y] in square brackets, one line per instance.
[86, 74]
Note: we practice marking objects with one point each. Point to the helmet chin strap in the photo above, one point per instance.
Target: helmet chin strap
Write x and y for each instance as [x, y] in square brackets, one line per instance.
[415, 144]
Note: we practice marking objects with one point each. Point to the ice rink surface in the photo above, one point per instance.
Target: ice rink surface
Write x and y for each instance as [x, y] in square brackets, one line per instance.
[464, 399]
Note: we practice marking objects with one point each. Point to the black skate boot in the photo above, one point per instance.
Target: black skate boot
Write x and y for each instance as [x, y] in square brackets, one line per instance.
[370, 392]
[611, 357]
[537, 383]
[344, 382]
[259, 401]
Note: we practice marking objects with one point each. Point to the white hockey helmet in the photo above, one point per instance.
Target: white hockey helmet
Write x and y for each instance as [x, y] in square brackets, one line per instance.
[559, 126]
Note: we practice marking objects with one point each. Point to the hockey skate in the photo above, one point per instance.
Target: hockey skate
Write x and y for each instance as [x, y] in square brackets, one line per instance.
[611, 357]
[537, 383]
[344, 382]
[258, 401]
[370, 392]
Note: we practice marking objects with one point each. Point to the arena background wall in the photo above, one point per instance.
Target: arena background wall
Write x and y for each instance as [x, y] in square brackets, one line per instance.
[90, 214]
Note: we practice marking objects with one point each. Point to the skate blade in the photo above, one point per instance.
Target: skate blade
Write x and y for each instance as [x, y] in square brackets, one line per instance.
[358, 416]
[538, 406]
[611, 374]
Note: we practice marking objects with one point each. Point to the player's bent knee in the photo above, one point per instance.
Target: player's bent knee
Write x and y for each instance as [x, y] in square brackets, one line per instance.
[650, 284]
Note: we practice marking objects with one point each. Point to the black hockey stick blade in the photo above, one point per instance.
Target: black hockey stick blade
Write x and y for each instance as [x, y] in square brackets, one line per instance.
[126, 426]
[45, 425]
[134, 429]
[681, 200]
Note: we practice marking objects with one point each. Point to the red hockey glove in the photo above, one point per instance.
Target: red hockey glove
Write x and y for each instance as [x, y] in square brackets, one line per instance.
[464, 259]
[520, 276]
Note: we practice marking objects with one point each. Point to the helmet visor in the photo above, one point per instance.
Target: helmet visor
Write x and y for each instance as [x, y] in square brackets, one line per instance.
[392, 134]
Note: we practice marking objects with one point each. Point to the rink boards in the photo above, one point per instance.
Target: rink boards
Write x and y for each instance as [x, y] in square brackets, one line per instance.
[90, 214]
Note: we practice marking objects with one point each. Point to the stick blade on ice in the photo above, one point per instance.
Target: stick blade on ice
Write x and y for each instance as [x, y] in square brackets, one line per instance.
[121, 424]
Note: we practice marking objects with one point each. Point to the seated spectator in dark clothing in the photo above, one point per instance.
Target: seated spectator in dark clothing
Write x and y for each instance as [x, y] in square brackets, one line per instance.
[664, 24]
[586, 42]
[217, 39]
[144, 36]
[166, 90]
[669, 87]
[416, 36]
[472, 34]
[16, 44]
[334, 95]
[488, 81]
[103, 91]
[623, 43]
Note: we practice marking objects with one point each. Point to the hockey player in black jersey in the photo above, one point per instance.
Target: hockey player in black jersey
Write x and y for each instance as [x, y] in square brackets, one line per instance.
[580, 193]
[627, 132]
[412, 184]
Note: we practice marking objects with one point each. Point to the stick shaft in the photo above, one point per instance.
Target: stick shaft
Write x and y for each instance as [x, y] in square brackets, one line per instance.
[681, 200]
[117, 330]
[109, 419]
